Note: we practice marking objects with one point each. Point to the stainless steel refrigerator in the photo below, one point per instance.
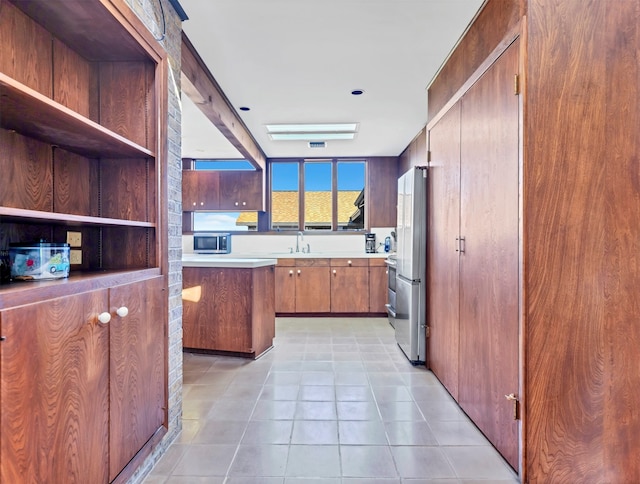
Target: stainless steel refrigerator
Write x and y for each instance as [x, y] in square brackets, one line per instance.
[411, 255]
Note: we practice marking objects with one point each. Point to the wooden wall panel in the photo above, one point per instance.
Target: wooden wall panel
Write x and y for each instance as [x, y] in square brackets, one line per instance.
[126, 98]
[127, 248]
[75, 184]
[581, 225]
[74, 80]
[27, 183]
[263, 309]
[24, 39]
[492, 24]
[124, 189]
[381, 195]
[443, 271]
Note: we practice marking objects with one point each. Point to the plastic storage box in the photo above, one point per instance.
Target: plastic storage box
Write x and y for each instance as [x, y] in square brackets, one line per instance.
[39, 261]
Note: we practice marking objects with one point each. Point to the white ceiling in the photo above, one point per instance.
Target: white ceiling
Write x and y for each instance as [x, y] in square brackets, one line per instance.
[297, 61]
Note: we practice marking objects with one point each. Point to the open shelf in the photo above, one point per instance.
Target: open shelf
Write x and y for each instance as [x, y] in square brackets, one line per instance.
[36, 216]
[32, 114]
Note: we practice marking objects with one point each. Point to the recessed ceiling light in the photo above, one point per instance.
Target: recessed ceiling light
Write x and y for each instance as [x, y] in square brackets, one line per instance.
[312, 128]
[244, 108]
[357, 92]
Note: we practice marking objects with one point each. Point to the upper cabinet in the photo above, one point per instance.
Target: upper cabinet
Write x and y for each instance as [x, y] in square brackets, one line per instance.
[82, 96]
[222, 190]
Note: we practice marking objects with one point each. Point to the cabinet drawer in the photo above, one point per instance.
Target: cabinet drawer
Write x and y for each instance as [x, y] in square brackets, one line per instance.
[377, 262]
[312, 262]
[286, 262]
[349, 262]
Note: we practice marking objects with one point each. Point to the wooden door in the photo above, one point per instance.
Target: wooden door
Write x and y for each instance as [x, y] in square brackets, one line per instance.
[313, 290]
[443, 285]
[54, 391]
[285, 289]
[137, 364]
[378, 286]
[350, 287]
[489, 264]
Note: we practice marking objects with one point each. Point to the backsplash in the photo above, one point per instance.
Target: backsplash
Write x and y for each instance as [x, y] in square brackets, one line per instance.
[321, 243]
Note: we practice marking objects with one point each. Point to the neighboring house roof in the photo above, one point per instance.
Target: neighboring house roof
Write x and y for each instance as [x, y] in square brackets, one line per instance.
[317, 207]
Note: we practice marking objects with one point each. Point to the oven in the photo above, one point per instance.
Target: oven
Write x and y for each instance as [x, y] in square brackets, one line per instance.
[391, 289]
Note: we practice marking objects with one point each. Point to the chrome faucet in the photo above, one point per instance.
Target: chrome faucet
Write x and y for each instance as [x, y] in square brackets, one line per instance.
[299, 237]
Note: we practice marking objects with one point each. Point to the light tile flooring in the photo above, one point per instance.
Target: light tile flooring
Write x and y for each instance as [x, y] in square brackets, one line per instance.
[334, 402]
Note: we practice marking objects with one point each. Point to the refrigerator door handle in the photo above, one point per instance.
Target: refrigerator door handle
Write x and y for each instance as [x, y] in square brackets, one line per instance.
[461, 244]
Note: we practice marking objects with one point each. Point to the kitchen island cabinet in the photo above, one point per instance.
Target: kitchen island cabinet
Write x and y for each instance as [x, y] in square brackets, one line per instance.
[228, 309]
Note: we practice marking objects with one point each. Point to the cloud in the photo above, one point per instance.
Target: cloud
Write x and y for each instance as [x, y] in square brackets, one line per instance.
[216, 221]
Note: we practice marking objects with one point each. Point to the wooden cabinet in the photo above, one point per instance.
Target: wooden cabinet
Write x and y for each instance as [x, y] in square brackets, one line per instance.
[136, 368]
[336, 285]
[241, 190]
[54, 381]
[221, 190]
[381, 192]
[313, 286]
[349, 286]
[378, 286]
[227, 309]
[102, 380]
[83, 148]
[200, 190]
[484, 253]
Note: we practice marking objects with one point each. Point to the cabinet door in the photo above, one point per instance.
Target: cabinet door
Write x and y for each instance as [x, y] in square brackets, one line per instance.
[378, 289]
[190, 191]
[137, 363]
[489, 266]
[443, 287]
[54, 391]
[241, 190]
[313, 290]
[285, 290]
[349, 289]
[200, 190]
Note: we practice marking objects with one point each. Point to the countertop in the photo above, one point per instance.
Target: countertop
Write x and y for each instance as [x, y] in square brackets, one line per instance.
[216, 260]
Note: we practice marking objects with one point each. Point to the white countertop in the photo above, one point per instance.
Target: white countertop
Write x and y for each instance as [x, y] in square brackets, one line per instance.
[217, 260]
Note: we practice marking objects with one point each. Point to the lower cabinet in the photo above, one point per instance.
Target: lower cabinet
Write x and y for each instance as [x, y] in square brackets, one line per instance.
[228, 309]
[79, 398]
[349, 286]
[337, 285]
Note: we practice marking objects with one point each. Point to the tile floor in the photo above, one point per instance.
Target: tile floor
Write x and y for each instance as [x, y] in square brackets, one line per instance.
[334, 402]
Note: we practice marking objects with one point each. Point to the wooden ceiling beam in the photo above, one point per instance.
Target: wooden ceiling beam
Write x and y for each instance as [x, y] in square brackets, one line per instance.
[199, 84]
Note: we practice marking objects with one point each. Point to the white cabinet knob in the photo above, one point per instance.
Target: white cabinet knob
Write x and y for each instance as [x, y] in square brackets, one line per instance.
[201, 204]
[104, 318]
[123, 311]
[236, 204]
[299, 271]
[290, 272]
[244, 204]
[349, 262]
[334, 271]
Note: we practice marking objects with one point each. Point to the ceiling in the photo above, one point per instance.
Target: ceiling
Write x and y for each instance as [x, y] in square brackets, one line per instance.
[297, 61]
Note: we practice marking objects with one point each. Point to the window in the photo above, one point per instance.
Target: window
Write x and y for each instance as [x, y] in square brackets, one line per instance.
[222, 221]
[319, 195]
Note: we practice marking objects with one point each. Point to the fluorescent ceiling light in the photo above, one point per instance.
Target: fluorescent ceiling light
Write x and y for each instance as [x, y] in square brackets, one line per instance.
[312, 128]
[309, 136]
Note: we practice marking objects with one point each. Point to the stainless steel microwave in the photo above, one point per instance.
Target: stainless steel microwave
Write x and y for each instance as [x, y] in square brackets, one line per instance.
[211, 243]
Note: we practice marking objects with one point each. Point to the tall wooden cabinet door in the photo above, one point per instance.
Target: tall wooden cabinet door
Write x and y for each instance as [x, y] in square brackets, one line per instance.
[285, 289]
[54, 391]
[197, 306]
[489, 320]
[241, 190]
[230, 324]
[190, 191]
[313, 290]
[137, 367]
[443, 284]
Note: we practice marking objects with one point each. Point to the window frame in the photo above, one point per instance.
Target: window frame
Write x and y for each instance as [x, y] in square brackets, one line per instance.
[301, 192]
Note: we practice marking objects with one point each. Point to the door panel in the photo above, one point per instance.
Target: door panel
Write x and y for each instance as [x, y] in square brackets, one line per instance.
[442, 257]
[489, 265]
[136, 380]
[313, 290]
[55, 400]
[285, 290]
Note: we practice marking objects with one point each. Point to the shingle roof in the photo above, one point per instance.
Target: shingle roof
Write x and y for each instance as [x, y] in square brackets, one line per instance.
[317, 208]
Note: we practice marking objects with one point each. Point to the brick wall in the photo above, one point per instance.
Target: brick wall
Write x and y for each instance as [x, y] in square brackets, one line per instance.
[150, 13]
